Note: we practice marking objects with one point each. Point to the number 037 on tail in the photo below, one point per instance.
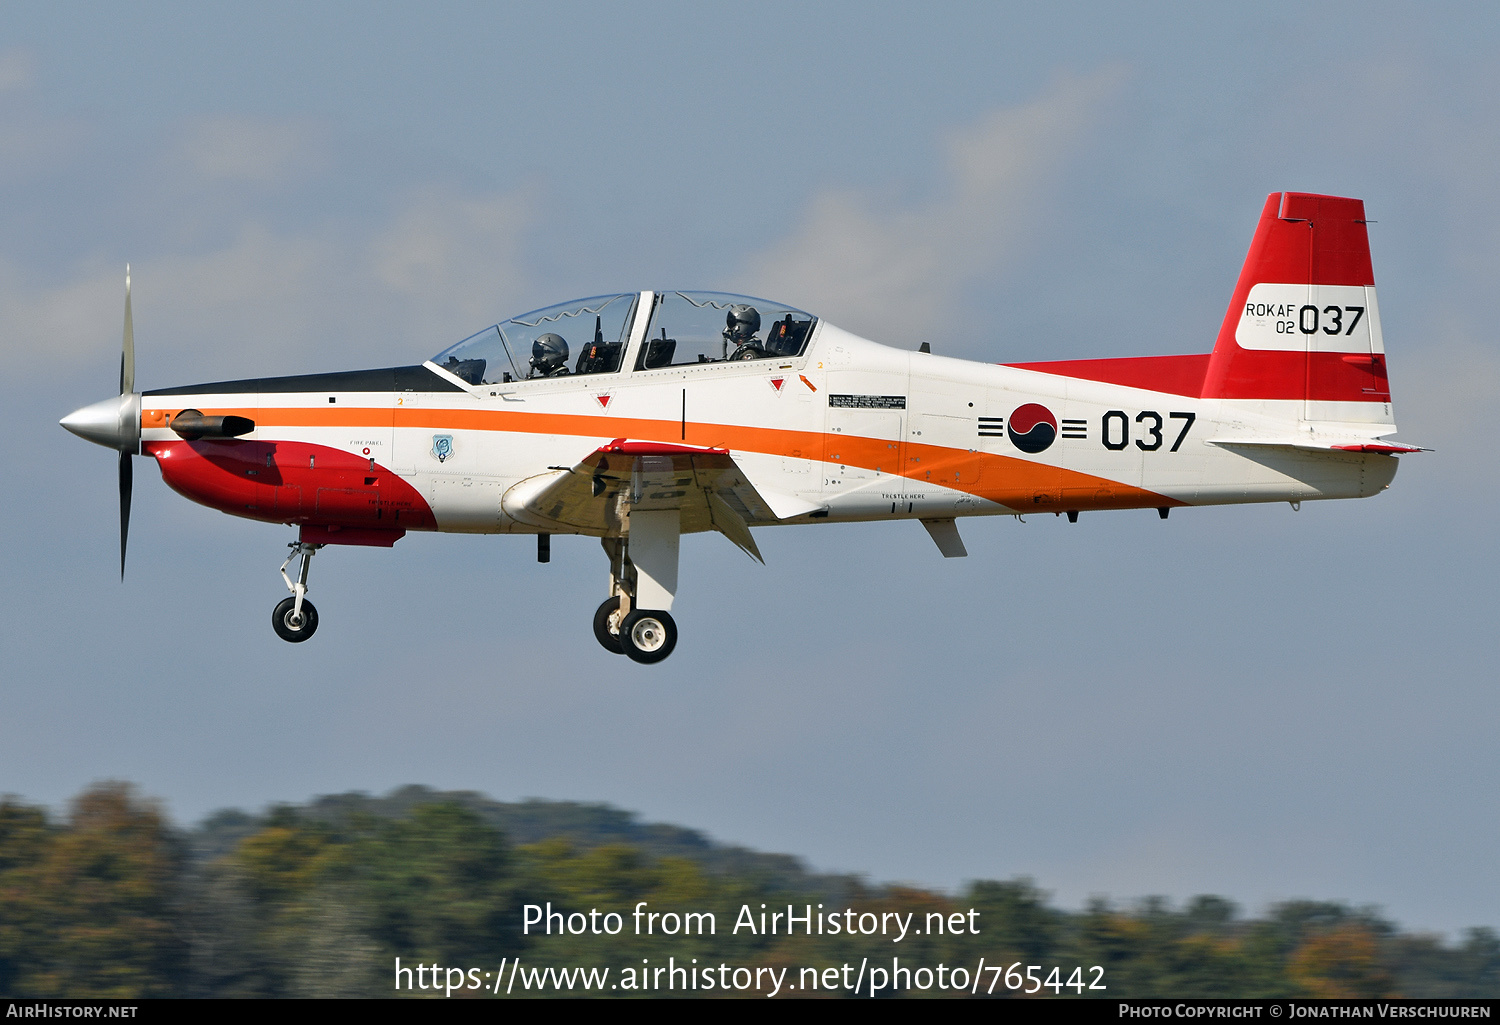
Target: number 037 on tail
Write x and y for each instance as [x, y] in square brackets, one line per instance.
[639, 417]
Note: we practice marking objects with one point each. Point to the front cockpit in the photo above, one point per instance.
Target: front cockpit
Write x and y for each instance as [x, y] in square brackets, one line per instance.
[652, 330]
[543, 343]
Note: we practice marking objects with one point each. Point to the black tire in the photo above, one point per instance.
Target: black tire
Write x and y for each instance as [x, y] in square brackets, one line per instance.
[281, 621]
[648, 636]
[608, 638]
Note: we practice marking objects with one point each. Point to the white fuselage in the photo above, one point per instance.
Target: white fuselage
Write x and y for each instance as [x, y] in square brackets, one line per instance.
[860, 430]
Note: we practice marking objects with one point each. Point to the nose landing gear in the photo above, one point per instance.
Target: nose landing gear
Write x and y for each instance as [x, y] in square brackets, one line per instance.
[295, 619]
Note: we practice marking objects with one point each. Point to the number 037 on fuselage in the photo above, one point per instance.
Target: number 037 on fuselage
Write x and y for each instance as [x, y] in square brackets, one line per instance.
[639, 417]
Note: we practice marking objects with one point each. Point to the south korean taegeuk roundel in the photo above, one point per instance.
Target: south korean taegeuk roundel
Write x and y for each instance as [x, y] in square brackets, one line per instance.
[1032, 428]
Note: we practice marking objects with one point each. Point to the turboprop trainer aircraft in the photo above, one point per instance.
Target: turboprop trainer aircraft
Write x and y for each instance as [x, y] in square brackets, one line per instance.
[642, 416]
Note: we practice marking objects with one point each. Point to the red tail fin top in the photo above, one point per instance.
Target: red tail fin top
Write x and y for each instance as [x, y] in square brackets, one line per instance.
[1304, 302]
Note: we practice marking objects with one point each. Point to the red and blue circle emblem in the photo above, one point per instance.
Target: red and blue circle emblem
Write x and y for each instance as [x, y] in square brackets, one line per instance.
[1032, 428]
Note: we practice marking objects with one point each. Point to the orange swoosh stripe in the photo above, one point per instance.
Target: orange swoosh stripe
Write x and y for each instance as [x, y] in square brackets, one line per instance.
[1012, 482]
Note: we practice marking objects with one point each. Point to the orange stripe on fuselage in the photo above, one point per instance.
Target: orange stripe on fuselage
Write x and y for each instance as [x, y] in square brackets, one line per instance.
[1012, 482]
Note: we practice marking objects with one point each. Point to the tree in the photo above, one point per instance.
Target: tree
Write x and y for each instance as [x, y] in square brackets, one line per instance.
[106, 889]
[437, 885]
[1341, 963]
[24, 841]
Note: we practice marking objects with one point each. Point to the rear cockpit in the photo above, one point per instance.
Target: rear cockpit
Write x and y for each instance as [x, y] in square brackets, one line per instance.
[592, 336]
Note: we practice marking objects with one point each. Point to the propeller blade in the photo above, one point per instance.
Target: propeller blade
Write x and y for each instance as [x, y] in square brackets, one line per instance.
[127, 354]
[127, 473]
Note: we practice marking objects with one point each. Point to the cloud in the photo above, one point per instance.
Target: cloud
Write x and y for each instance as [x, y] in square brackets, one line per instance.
[452, 257]
[202, 309]
[268, 302]
[52, 326]
[1441, 391]
[30, 143]
[253, 150]
[881, 268]
[17, 70]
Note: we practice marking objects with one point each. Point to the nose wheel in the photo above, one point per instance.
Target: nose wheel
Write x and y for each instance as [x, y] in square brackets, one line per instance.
[294, 624]
[295, 619]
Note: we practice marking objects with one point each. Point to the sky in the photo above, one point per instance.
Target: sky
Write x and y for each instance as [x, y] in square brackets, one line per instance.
[1249, 701]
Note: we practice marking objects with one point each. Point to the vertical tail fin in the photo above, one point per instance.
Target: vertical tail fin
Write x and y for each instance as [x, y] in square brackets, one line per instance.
[1303, 324]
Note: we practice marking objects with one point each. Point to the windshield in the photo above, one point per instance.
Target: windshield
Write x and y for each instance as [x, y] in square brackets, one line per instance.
[711, 327]
[585, 336]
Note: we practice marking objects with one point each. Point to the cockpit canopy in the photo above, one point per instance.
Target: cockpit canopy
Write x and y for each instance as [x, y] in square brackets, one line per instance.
[596, 329]
[590, 336]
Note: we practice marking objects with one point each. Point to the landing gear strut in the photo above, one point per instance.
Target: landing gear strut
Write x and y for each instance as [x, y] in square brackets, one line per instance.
[620, 626]
[295, 619]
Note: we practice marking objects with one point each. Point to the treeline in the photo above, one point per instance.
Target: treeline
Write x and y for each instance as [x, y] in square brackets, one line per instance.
[320, 900]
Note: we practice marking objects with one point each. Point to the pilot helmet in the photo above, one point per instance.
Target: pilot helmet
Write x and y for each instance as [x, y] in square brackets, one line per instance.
[740, 323]
[549, 353]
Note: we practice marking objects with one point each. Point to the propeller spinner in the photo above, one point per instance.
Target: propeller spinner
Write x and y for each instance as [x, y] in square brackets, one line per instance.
[116, 423]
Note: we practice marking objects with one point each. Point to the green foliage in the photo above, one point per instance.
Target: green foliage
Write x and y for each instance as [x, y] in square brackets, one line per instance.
[439, 886]
[25, 840]
[320, 900]
[1343, 962]
[89, 909]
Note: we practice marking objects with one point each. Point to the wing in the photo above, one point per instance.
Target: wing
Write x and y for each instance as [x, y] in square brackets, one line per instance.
[708, 488]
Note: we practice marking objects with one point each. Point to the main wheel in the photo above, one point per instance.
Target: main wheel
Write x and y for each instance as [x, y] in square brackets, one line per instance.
[607, 625]
[648, 636]
[290, 627]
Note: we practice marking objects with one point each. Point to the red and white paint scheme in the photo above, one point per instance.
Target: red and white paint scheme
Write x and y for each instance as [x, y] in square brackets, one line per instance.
[637, 418]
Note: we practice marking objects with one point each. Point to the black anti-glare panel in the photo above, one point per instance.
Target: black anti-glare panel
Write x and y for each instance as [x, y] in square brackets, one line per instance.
[389, 379]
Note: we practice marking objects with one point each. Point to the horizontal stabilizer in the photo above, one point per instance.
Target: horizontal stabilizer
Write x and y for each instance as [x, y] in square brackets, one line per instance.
[1387, 448]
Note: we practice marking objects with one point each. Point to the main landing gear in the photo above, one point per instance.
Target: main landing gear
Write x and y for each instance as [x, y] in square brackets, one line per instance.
[295, 619]
[644, 636]
[642, 571]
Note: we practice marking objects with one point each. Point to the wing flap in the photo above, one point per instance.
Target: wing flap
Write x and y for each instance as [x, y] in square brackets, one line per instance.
[710, 490]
